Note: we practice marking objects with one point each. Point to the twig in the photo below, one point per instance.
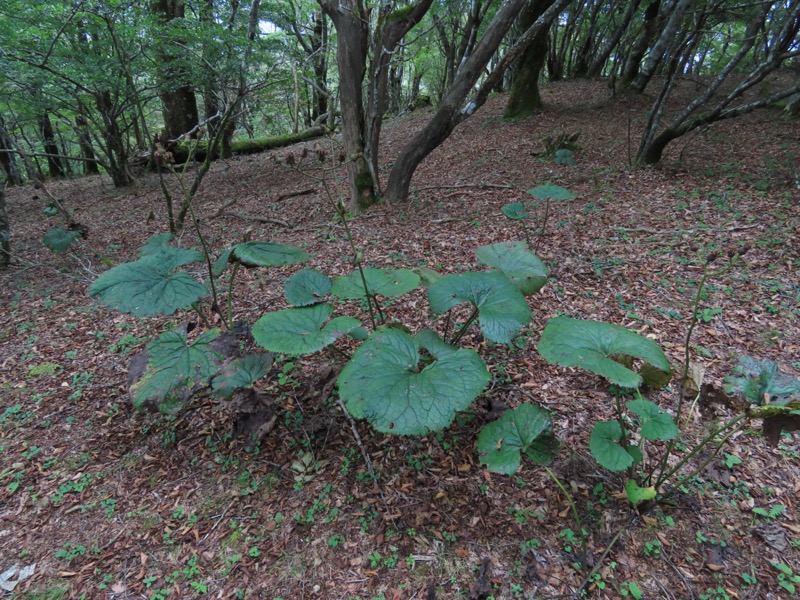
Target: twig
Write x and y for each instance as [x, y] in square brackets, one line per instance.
[356, 435]
[445, 220]
[599, 564]
[219, 519]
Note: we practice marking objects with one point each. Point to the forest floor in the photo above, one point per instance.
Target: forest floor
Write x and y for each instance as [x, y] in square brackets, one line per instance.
[108, 502]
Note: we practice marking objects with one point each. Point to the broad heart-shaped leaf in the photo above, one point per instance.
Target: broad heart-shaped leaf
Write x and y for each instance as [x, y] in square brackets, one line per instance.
[155, 243]
[590, 345]
[148, 286]
[380, 282]
[307, 287]
[564, 156]
[516, 211]
[267, 254]
[636, 494]
[551, 192]
[241, 373]
[654, 423]
[519, 264]
[501, 306]
[300, 330]
[383, 383]
[59, 239]
[174, 364]
[604, 444]
[526, 428]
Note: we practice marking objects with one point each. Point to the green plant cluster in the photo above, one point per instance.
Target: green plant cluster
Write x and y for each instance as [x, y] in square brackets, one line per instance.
[412, 383]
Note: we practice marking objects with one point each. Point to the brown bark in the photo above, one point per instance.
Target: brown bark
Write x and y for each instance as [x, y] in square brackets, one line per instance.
[7, 156]
[452, 110]
[177, 96]
[54, 164]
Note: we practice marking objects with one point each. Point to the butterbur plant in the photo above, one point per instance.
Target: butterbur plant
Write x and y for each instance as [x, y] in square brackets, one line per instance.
[520, 211]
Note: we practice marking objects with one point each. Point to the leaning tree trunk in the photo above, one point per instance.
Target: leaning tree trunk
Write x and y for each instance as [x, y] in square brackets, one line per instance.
[524, 98]
[633, 59]
[452, 110]
[114, 145]
[600, 58]
[664, 42]
[85, 143]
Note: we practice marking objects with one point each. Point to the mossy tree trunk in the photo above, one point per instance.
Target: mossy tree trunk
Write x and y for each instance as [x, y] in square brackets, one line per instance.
[524, 98]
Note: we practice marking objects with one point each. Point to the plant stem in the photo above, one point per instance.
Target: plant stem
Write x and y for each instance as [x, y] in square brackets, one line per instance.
[466, 326]
[230, 291]
[544, 224]
[207, 255]
[575, 514]
[739, 422]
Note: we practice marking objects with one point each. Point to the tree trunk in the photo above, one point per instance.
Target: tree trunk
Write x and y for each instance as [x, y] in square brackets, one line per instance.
[177, 96]
[595, 68]
[5, 230]
[452, 110]
[54, 164]
[115, 149]
[666, 40]
[524, 98]
[85, 143]
[8, 159]
[633, 60]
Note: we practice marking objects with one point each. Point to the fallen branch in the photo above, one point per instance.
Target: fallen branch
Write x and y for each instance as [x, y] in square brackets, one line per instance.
[480, 186]
[294, 194]
[673, 231]
[245, 217]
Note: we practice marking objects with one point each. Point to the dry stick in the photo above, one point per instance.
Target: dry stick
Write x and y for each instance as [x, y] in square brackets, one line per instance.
[481, 186]
[296, 193]
[674, 231]
[599, 564]
[357, 436]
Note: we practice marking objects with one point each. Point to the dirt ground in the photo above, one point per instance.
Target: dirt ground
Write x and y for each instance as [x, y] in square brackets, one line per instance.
[109, 502]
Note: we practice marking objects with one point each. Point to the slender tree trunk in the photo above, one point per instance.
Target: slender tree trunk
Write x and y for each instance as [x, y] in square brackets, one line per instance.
[524, 98]
[5, 230]
[85, 143]
[662, 45]
[8, 159]
[54, 164]
[633, 60]
[600, 58]
[115, 148]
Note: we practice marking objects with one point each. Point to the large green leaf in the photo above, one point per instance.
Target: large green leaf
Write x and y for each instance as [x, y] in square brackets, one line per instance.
[654, 423]
[762, 382]
[380, 282]
[155, 243]
[148, 286]
[384, 383]
[59, 239]
[307, 287]
[175, 364]
[520, 265]
[605, 447]
[300, 330]
[516, 211]
[527, 428]
[241, 373]
[501, 306]
[551, 192]
[267, 254]
[591, 344]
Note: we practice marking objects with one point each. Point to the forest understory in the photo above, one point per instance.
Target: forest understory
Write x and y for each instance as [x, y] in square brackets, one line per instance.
[110, 502]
